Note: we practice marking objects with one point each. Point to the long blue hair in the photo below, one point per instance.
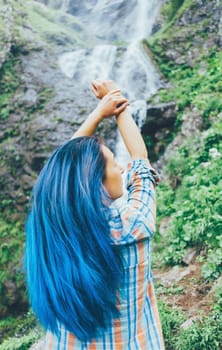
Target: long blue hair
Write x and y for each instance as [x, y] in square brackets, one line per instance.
[73, 269]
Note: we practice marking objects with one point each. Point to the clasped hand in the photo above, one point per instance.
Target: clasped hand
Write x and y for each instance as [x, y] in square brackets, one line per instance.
[112, 102]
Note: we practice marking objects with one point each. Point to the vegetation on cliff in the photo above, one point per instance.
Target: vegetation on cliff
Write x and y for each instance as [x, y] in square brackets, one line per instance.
[188, 53]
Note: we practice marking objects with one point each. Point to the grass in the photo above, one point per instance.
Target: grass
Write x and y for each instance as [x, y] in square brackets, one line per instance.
[194, 206]
[203, 334]
[19, 333]
[24, 342]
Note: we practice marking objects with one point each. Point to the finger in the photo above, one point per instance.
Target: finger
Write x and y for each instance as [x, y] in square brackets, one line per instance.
[95, 92]
[94, 85]
[120, 99]
[115, 92]
[121, 107]
[97, 83]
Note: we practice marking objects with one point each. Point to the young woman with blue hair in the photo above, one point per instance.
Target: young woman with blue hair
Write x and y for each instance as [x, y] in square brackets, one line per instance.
[87, 262]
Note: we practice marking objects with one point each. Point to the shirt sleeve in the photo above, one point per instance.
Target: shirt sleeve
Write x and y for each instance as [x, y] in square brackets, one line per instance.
[136, 220]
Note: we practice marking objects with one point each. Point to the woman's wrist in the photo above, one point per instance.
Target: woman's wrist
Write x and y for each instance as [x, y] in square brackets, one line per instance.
[89, 125]
[124, 114]
[97, 115]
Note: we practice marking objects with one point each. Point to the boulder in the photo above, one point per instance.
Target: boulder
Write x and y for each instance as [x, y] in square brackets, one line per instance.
[188, 323]
[158, 127]
[191, 124]
[159, 116]
[190, 255]
[175, 274]
[164, 223]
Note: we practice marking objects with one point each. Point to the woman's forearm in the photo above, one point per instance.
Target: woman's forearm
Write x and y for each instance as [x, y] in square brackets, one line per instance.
[111, 104]
[131, 135]
[89, 125]
[128, 129]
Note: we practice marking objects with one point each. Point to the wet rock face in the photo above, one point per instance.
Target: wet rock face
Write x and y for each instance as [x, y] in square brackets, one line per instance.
[159, 116]
[158, 127]
[103, 15]
[192, 123]
[96, 8]
[6, 20]
[98, 16]
[48, 109]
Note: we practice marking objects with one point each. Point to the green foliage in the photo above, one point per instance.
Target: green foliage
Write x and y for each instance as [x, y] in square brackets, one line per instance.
[11, 275]
[174, 6]
[22, 343]
[150, 141]
[212, 267]
[190, 200]
[198, 86]
[8, 84]
[193, 86]
[195, 204]
[171, 320]
[169, 290]
[18, 326]
[205, 334]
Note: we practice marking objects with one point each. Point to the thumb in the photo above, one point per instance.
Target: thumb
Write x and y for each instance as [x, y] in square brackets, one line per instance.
[94, 90]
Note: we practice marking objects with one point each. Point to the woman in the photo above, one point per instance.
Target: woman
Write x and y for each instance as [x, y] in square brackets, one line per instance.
[88, 263]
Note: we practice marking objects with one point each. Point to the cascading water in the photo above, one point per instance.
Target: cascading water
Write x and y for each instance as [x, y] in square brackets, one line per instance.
[113, 31]
[117, 27]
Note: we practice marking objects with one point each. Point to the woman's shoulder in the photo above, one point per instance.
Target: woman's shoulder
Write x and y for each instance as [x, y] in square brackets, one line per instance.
[141, 168]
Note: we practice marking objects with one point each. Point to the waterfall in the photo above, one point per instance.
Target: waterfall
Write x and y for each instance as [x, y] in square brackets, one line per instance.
[85, 65]
[117, 28]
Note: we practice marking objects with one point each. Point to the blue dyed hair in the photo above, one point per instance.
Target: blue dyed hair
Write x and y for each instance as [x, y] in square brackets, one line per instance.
[73, 269]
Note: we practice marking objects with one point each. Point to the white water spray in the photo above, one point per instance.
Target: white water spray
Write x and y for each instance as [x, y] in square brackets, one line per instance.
[109, 22]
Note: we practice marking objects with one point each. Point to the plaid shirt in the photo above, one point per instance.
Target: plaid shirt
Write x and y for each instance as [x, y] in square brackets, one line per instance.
[132, 228]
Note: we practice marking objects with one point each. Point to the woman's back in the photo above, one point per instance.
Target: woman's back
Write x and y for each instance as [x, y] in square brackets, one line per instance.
[138, 326]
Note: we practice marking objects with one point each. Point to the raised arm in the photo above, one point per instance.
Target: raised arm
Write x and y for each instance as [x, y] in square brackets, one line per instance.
[131, 135]
[112, 103]
[128, 129]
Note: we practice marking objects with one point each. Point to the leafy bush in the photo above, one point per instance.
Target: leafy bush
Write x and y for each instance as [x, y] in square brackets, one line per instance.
[22, 343]
[190, 199]
[171, 320]
[191, 86]
[12, 288]
[17, 326]
[195, 206]
[9, 84]
[205, 334]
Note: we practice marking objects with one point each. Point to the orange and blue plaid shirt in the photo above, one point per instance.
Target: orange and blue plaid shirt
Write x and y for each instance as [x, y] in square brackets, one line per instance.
[132, 227]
